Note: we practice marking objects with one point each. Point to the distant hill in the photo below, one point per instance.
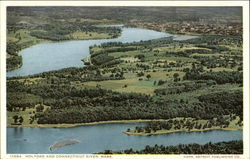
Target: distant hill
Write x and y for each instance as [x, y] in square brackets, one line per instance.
[125, 14]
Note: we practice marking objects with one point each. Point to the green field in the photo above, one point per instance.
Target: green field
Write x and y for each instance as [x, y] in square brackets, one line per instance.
[133, 84]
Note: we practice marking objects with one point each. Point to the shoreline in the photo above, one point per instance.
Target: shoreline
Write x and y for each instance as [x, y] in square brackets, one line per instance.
[170, 31]
[118, 122]
[176, 131]
[82, 124]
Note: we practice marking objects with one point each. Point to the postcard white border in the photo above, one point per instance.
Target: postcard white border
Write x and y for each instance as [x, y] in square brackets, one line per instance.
[243, 4]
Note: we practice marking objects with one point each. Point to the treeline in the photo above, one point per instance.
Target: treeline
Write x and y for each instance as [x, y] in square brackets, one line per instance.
[205, 42]
[230, 147]
[149, 44]
[49, 35]
[67, 75]
[114, 49]
[58, 33]
[66, 27]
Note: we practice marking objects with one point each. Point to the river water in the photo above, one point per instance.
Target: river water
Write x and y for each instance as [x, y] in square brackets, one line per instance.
[96, 138]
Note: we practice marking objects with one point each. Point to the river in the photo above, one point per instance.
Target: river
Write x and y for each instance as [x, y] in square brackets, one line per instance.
[96, 138]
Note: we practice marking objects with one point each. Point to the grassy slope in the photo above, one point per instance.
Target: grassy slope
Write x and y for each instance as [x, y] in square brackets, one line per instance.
[133, 83]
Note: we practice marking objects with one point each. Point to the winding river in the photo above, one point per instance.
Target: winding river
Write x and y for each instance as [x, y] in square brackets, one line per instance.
[93, 138]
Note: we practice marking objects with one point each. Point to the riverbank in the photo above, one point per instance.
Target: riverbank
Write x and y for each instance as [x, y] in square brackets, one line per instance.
[176, 131]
